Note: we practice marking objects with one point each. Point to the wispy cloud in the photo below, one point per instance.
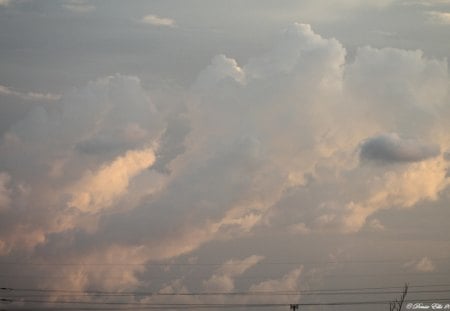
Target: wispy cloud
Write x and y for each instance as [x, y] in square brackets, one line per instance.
[79, 6]
[5, 90]
[158, 21]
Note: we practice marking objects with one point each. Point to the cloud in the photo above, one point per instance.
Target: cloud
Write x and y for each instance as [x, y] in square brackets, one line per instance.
[289, 282]
[376, 225]
[221, 68]
[30, 96]
[268, 144]
[172, 143]
[422, 265]
[391, 148]
[158, 21]
[46, 143]
[79, 6]
[439, 17]
[299, 228]
[222, 279]
[5, 192]
[402, 189]
[98, 190]
[4, 2]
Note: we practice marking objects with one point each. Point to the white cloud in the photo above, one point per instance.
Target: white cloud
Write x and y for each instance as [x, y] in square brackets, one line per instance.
[155, 20]
[7, 91]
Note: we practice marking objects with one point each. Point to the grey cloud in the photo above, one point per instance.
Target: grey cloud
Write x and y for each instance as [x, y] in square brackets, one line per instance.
[391, 148]
[172, 143]
[447, 155]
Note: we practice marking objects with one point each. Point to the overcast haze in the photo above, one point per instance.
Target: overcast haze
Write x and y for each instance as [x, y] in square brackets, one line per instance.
[217, 147]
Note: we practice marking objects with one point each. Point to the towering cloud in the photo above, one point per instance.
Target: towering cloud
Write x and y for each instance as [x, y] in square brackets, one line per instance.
[108, 175]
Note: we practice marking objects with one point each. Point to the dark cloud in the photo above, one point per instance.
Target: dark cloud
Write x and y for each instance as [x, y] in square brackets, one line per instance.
[392, 148]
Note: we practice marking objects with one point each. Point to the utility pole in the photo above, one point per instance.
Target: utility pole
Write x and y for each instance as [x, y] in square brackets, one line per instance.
[397, 304]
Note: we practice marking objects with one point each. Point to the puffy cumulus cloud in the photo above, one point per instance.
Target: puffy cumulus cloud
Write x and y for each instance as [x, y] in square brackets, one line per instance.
[299, 48]
[155, 20]
[286, 83]
[51, 136]
[386, 148]
[269, 144]
[222, 279]
[402, 90]
[230, 168]
[53, 171]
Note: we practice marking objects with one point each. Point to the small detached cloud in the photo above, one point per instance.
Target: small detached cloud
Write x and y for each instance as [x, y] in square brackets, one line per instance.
[390, 147]
[158, 21]
[78, 6]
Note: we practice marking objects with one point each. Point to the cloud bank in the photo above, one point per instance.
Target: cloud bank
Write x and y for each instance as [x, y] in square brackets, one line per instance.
[109, 175]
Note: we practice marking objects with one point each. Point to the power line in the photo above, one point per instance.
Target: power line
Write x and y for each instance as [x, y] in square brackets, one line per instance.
[254, 277]
[375, 291]
[29, 263]
[223, 305]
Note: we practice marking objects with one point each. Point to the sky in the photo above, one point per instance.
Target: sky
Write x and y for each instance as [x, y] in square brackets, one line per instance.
[245, 154]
